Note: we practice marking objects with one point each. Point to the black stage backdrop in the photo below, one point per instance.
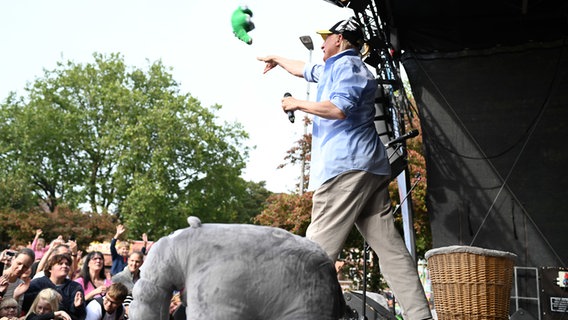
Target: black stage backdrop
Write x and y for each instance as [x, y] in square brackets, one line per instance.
[495, 136]
[491, 82]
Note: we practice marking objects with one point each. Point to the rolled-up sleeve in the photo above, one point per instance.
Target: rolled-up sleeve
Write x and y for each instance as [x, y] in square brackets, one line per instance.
[312, 72]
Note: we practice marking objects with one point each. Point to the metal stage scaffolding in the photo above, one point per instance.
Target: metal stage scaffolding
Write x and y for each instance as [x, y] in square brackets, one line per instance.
[393, 110]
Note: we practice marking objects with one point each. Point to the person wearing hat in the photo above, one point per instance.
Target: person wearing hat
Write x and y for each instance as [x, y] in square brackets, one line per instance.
[350, 171]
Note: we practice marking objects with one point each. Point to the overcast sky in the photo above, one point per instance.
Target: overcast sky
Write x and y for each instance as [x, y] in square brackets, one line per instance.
[195, 39]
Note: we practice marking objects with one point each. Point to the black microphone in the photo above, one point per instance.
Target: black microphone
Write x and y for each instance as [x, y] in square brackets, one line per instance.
[405, 136]
[291, 116]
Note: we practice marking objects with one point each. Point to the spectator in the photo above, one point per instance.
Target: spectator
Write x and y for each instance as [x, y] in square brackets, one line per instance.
[56, 277]
[131, 273]
[58, 246]
[92, 277]
[38, 245]
[119, 253]
[9, 309]
[15, 287]
[126, 305]
[46, 307]
[129, 276]
[33, 269]
[109, 306]
[26, 277]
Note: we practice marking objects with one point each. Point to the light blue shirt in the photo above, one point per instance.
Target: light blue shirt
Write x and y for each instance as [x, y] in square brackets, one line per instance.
[353, 143]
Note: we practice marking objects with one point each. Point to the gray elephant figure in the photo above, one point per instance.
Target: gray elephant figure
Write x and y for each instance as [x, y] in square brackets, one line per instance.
[238, 271]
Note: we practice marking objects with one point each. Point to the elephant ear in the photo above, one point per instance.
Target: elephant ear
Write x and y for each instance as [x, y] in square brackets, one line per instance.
[194, 222]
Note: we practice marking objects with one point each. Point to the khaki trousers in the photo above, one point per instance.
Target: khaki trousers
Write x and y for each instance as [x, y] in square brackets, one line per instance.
[360, 198]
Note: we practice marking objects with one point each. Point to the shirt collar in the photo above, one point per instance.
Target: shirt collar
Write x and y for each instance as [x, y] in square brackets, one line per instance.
[348, 52]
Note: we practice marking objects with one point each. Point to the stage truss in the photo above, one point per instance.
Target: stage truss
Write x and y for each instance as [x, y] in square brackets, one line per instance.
[394, 112]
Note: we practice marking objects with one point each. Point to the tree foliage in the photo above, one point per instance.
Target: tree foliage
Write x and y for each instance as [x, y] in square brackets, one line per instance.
[19, 227]
[123, 141]
[287, 211]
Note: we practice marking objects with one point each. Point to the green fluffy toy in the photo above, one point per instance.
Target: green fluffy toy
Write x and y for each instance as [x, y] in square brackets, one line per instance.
[242, 23]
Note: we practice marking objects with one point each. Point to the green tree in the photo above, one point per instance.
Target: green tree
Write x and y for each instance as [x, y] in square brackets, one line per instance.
[254, 200]
[124, 141]
[14, 194]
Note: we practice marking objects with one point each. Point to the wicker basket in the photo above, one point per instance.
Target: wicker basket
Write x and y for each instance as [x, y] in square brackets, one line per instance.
[471, 282]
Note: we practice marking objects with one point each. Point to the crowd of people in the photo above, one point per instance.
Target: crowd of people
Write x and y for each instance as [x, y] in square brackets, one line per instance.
[56, 281]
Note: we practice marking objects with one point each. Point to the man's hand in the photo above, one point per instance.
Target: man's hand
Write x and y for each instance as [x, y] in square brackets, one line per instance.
[57, 242]
[72, 246]
[62, 315]
[294, 67]
[270, 63]
[22, 288]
